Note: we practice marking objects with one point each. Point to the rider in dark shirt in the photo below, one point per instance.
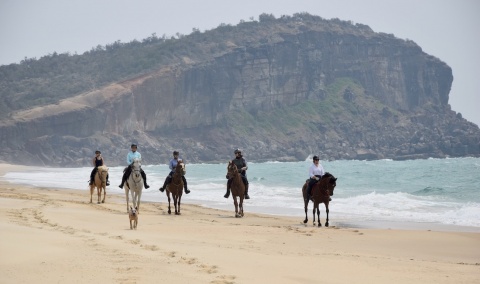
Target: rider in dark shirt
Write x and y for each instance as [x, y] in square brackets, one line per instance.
[97, 161]
[242, 167]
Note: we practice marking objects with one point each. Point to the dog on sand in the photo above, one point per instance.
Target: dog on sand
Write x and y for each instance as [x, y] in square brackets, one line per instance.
[133, 216]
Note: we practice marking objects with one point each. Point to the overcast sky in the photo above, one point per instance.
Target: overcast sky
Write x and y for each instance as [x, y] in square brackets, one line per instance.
[446, 29]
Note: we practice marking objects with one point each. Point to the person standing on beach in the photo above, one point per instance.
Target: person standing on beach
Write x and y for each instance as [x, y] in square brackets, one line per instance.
[242, 167]
[315, 173]
[172, 165]
[133, 154]
[97, 161]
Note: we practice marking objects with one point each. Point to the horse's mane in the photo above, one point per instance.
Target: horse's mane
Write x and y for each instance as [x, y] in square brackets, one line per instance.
[327, 174]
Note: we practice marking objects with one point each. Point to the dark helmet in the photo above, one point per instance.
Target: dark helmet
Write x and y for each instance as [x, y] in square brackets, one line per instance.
[133, 145]
[98, 152]
[315, 158]
[237, 151]
[175, 153]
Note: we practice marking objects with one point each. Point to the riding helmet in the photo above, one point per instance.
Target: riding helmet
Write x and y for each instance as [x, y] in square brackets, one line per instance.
[237, 151]
[316, 158]
[133, 145]
[175, 153]
[98, 152]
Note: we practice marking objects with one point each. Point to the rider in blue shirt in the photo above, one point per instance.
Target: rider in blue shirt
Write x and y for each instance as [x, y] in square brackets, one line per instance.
[133, 154]
[172, 165]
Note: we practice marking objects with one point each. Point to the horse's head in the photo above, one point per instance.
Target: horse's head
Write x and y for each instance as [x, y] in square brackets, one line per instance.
[180, 169]
[136, 166]
[332, 182]
[103, 172]
[231, 170]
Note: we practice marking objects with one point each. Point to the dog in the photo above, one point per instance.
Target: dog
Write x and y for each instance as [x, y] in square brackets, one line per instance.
[133, 216]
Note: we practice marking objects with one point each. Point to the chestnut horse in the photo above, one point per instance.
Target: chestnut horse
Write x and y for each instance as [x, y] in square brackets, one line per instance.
[175, 187]
[237, 187]
[100, 182]
[321, 192]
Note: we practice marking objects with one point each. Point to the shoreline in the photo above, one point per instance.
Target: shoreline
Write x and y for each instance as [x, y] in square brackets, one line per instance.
[342, 221]
[55, 235]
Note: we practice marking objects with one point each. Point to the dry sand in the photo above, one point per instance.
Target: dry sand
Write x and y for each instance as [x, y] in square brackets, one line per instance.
[57, 236]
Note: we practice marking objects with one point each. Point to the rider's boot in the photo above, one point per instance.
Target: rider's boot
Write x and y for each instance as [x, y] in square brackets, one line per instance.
[187, 191]
[246, 192]
[123, 181]
[228, 191]
[108, 182]
[144, 176]
[162, 189]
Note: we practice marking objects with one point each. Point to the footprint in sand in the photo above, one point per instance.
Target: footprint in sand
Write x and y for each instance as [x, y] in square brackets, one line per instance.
[224, 279]
[208, 269]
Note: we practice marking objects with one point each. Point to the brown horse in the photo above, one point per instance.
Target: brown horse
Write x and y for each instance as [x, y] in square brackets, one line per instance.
[100, 182]
[176, 187]
[321, 192]
[237, 188]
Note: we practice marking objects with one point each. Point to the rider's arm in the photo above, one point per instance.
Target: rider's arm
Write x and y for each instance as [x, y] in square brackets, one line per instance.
[310, 172]
[245, 167]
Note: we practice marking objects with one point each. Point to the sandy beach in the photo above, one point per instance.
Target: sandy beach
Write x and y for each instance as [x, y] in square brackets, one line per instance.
[57, 236]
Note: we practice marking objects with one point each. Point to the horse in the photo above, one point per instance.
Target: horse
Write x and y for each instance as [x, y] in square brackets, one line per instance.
[237, 188]
[100, 182]
[134, 184]
[175, 187]
[321, 192]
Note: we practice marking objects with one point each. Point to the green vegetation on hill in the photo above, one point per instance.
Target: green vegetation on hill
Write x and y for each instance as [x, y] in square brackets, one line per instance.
[51, 78]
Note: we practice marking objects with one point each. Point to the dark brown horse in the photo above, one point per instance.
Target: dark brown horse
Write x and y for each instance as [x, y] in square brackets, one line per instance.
[321, 192]
[237, 188]
[176, 187]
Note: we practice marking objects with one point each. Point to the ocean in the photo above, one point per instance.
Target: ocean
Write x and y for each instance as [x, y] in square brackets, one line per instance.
[431, 193]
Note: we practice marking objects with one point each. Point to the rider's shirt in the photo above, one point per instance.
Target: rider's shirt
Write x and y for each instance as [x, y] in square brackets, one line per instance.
[133, 155]
[98, 162]
[315, 170]
[240, 163]
[173, 164]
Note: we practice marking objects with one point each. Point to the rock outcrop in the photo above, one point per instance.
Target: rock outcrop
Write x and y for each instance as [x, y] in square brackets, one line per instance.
[303, 87]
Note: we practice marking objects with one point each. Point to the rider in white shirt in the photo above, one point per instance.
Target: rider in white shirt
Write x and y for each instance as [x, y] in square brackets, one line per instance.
[315, 173]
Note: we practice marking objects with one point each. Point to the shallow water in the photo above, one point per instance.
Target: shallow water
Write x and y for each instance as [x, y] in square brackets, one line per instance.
[440, 192]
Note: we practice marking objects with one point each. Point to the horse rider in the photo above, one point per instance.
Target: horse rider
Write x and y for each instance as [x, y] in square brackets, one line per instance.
[97, 161]
[242, 167]
[315, 172]
[172, 165]
[133, 154]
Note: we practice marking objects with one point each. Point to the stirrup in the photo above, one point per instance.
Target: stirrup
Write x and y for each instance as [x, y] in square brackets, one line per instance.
[247, 196]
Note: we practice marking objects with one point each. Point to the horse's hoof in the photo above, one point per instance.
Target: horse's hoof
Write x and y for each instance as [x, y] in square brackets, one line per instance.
[169, 212]
[103, 201]
[305, 221]
[98, 202]
[319, 224]
[326, 224]
[177, 213]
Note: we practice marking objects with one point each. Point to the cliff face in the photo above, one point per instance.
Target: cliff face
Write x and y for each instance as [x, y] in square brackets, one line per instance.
[305, 90]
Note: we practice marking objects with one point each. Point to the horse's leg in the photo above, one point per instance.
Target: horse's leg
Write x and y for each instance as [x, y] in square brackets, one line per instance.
[318, 214]
[175, 202]
[92, 187]
[313, 214]
[126, 195]
[99, 192]
[326, 210]
[241, 206]
[139, 197]
[168, 195]
[134, 201]
[179, 201]
[104, 193]
[235, 202]
[305, 202]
